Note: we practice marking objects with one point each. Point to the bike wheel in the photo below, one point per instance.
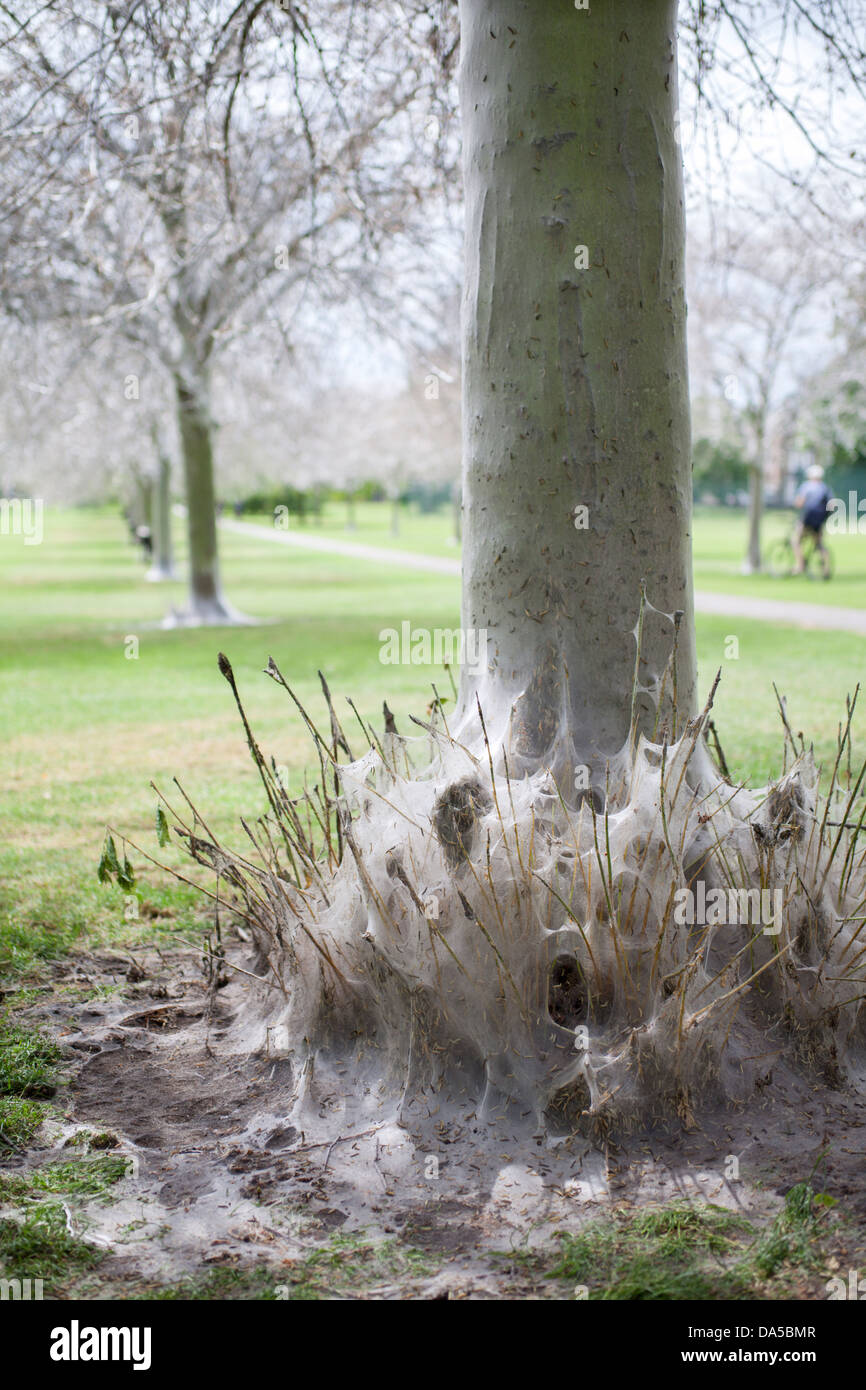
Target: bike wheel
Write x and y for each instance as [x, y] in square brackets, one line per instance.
[814, 563]
[780, 559]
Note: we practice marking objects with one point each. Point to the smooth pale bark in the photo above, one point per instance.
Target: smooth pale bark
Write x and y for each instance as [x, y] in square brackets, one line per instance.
[457, 512]
[575, 380]
[163, 556]
[205, 603]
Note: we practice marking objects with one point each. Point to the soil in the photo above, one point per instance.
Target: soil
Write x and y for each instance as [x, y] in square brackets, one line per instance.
[220, 1177]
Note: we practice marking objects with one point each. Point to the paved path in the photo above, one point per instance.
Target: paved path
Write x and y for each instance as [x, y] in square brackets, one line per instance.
[768, 610]
[433, 564]
[774, 610]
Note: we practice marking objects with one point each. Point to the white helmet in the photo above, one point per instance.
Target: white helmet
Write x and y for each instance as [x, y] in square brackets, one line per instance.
[814, 472]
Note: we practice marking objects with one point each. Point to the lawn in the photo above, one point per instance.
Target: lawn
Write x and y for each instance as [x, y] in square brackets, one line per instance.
[430, 532]
[720, 544]
[87, 726]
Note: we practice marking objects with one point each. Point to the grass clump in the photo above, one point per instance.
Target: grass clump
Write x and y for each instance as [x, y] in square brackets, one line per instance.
[351, 1258]
[666, 1253]
[85, 1178]
[793, 1238]
[27, 1066]
[27, 1062]
[40, 1246]
[683, 1251]
[19, 1121]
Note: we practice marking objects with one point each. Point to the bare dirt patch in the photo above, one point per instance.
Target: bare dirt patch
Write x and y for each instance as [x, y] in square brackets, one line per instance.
[219, 1178]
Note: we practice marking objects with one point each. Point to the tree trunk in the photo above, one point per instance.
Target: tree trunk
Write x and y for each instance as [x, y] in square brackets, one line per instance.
[318, 504]
[205, 603]
[163, 556]
[144, 486]
[575, 380]
[756, 512]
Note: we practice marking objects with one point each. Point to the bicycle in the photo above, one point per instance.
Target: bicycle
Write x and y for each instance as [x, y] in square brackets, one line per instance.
[781, 560]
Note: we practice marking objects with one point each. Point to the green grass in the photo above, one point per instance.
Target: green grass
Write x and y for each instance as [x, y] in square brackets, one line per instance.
[672, 1252]
[682, 1251]
[19, 1121]
[720, 544]
[791, 1239]
[40, 1247]
[28, 1063]
[74, 1177]
[431, 533]
[86, 729]
[348, 1264]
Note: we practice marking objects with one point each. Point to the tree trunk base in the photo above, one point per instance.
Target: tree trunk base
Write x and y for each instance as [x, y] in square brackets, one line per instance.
[161, 574]
[206, 612]
[471, 942]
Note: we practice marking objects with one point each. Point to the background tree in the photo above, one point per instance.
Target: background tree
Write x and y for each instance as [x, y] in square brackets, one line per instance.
[191, 172]
[765, 317]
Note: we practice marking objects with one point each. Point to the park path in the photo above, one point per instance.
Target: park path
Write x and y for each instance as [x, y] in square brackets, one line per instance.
[768, 610]
[330, 545]
[774, 610]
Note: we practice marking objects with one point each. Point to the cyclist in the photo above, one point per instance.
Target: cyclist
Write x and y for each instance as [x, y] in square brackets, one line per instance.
[813, 499]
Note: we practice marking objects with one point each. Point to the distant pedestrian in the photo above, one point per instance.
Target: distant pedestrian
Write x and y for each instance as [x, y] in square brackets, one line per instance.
[145, 539]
